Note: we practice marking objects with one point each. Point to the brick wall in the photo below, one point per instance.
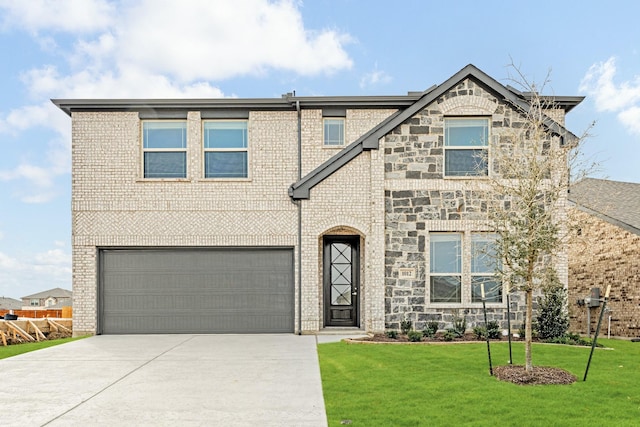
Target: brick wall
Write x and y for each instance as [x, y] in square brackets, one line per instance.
[604, 254]
[114, 206]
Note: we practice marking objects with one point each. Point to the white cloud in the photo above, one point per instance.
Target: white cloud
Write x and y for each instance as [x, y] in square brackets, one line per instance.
[622, 98]
[631, 119]
[28, 274]
[77, 16]
[200, 40]
[373, 78]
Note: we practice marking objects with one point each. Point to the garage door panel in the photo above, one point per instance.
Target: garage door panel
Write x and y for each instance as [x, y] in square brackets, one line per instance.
[197, 290]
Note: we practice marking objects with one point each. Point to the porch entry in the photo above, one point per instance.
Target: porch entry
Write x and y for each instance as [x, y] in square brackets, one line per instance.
[341, 283]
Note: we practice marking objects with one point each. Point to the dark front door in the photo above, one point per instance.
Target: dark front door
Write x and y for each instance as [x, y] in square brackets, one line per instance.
[341, 280]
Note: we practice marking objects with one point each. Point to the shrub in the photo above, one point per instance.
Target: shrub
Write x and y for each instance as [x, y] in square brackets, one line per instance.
[406, 325]
[479, 332]
[414, 336]
[449, 335]
[493, 330]
[571, 339]
[552, 318]
[430, 329]
[391, 334]
[459, 325]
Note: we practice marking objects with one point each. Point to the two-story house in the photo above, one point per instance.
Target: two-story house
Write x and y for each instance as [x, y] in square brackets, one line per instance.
[286, 215]
[56, 297]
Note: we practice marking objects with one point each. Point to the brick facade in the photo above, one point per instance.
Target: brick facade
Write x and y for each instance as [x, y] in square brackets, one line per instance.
[114, 206]
[604, 254]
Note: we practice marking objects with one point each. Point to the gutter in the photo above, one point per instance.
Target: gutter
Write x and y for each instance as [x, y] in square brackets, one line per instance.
[299, 203]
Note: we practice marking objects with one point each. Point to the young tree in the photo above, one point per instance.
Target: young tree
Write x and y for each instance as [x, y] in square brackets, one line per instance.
[531, 164]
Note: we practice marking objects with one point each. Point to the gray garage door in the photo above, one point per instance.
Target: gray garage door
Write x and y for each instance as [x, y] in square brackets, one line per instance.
[215, 290]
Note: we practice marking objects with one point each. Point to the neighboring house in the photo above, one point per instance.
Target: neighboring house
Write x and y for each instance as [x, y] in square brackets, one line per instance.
[47, 299]
[605, 251]
[287, 215]
[10, 304]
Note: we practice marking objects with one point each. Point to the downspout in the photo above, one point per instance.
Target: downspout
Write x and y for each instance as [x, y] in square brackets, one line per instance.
[299, 220]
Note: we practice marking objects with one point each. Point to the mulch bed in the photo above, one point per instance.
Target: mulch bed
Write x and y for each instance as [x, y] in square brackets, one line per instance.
[539, 375]
[439, 337]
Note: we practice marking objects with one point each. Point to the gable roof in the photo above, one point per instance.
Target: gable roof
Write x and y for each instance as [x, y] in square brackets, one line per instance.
[613, 201]
[55, 292]
[369, 141]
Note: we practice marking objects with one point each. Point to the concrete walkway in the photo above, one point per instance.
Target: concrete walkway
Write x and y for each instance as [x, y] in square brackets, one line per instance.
[166, 380]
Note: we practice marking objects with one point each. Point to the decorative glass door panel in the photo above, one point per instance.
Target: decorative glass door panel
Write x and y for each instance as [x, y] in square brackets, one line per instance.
[341, 280]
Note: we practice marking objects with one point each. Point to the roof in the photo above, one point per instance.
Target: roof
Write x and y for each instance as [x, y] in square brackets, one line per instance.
[368, 141]
[613, 201]
[10, 304]
[55, 292]
[179, 107]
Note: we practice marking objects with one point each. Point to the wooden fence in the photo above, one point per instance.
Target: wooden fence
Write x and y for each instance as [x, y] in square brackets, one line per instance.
[59, 313]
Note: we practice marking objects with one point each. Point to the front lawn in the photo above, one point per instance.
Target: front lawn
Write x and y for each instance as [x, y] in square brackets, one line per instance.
[449, 385]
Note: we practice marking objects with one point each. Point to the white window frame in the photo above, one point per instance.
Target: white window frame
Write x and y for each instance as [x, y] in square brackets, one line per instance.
[145, 150]
[454, 274]
[333, 143]
[489, 273]
[484, 145]
[244, 149]
[466, 273]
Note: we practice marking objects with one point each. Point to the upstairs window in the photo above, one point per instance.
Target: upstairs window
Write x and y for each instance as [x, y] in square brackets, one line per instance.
[34, 303]
[226, 152]
[445, 267]
[164, 149]
[466, 146]
[333, 132]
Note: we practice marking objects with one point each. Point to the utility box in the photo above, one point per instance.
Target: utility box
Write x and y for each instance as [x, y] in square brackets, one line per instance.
[595, 297]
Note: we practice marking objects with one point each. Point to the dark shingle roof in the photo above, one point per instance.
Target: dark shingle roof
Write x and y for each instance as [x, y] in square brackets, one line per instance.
[613, 201]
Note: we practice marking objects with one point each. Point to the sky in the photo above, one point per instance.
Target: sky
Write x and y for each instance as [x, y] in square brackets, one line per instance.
[262, 49]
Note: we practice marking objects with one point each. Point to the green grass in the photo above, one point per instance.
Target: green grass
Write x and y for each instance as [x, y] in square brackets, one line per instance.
[15, 349]
[450, 385]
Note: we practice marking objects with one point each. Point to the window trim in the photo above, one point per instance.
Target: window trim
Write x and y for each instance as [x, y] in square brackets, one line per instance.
[466, 275]
[484, 237]
[245, 149]
[458, 274]
[324, 131]
[485, 146]
[163, 150]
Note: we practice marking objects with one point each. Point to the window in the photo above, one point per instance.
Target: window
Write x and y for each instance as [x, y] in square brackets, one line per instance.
[226, 149]
[483, 268]
[457, 275]
[165, 149]
[446, 267]
[333, 132]
[466, 146]
[34, 303]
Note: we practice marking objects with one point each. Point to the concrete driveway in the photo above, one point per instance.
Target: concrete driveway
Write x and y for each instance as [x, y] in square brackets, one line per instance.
[157, 380]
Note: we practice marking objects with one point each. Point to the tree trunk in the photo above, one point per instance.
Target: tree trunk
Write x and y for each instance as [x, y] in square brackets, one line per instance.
[528, 330]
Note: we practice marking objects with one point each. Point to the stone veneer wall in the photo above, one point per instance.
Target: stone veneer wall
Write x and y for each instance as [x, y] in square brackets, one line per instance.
[605, 254]
[418, 200]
